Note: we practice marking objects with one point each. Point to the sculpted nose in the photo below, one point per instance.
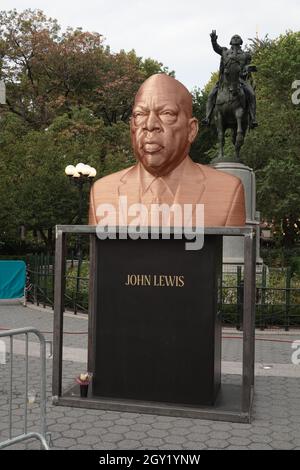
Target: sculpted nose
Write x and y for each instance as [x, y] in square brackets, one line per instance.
[152, 122]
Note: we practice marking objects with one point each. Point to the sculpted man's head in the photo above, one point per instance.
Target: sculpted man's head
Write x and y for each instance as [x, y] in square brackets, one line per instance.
[162, 126]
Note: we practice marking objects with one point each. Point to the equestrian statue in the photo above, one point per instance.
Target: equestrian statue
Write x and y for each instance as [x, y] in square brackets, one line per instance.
[232, 101]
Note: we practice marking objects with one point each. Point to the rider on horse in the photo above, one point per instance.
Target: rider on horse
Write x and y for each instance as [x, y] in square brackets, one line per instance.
[235, 53]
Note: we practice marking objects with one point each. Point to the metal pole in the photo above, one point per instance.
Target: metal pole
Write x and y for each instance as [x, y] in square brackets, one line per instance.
[60, 251]
[249, 321]
[80, 184]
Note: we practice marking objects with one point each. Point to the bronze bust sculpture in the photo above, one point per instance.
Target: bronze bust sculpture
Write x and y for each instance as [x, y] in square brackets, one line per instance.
[162, 131]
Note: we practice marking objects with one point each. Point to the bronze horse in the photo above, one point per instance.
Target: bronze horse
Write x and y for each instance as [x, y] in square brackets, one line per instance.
[232, 108]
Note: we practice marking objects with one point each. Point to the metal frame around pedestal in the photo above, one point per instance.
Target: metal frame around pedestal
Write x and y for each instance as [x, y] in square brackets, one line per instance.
[235, 401]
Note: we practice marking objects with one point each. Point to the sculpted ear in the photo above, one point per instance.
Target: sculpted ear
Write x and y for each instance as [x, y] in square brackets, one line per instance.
[193, 129]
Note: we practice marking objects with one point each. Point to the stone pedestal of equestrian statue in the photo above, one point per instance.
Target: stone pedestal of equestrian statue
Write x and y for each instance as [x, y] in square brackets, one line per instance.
[233, 247]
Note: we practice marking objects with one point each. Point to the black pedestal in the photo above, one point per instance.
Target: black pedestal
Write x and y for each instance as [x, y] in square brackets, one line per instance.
[158, 332]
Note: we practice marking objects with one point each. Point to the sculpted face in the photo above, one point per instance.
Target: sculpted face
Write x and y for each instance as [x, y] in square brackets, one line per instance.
[162, 126]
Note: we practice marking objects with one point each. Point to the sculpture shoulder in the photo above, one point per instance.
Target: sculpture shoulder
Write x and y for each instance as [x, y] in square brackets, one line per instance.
[110, 180]
[217, 177]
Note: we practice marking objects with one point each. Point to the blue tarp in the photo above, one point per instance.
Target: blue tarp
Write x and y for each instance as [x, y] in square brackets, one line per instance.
[12, 279]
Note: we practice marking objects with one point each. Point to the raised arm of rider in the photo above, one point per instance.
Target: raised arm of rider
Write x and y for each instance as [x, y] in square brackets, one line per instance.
[216, 47]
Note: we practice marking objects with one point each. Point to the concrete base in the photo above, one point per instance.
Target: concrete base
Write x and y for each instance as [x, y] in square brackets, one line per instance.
[227, 407]
[233, 247]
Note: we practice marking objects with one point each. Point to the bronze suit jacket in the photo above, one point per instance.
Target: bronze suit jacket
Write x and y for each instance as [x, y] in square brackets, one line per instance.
[222, 194]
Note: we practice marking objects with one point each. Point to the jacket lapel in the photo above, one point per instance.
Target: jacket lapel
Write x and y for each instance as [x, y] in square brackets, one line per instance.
[129, 187]
[191, 189]
[192, 184]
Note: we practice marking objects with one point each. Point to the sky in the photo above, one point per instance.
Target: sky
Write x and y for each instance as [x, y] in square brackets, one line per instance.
[174, 32]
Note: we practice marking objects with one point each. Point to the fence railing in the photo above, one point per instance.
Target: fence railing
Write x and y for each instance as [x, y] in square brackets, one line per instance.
[277, 297]
[26, 435]
[40, 289]
[277, 292]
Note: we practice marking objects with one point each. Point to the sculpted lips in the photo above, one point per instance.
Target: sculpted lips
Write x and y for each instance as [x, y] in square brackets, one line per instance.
[152, 147]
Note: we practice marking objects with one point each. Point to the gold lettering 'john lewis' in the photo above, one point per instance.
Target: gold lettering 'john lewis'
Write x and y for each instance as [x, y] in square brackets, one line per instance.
[138, 280]
[156, 280]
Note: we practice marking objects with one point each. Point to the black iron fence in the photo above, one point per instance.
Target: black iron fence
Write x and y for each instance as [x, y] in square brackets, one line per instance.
[277, 297]
[41, 282]
[277, 292]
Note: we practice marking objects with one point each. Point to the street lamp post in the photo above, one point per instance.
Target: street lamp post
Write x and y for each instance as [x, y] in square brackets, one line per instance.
[79, 175]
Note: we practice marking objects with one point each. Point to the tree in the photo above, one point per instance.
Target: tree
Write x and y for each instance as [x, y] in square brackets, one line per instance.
[207, 135]
[272, 150]
[68, 100]
[48, 71]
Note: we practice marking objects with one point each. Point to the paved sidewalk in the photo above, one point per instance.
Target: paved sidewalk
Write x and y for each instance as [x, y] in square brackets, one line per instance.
[276, 417]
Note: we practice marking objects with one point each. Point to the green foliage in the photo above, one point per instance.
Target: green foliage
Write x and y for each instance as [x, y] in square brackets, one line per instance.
[68, 100]
[273, 149]
[207, 135]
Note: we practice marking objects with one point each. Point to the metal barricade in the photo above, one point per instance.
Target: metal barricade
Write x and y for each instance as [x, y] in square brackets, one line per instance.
[42, 435]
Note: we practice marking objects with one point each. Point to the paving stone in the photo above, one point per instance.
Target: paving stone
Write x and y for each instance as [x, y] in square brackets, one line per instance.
[243, 433]
[89, 440]
[239, 441]
[194, 445]
[183, 423]
[104, 424]
[79, 447]
[118, 429]
[141, 427]
[219, 435]
[197, 437]
[79, 425]
[198, 429]
[237, 448]
[178, 440]
[135, 435]
[179, 431]
[259, 430]
[64, 443]
[89, 419]
[282, 445]
[280, 429]
[167, 419]
[130, 415]
[112, 437]
[152, 441]
[260, 438]
[241, 425]
[105, 446]
[145, 419]
[285, 437]
[59, 427]
[217, 443]
[128, 444]
[112, 415]
[221, 427]
[73, 433]
[170, 447]
[163, 425]
[160, 433]
[295, 419]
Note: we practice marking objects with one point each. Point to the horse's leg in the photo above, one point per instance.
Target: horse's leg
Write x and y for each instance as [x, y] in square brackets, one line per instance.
[233, 135]
[239, 132]
[221, 134]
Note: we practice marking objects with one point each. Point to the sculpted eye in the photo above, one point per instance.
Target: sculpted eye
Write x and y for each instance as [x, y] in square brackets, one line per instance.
[168, 113]
[138, 114]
